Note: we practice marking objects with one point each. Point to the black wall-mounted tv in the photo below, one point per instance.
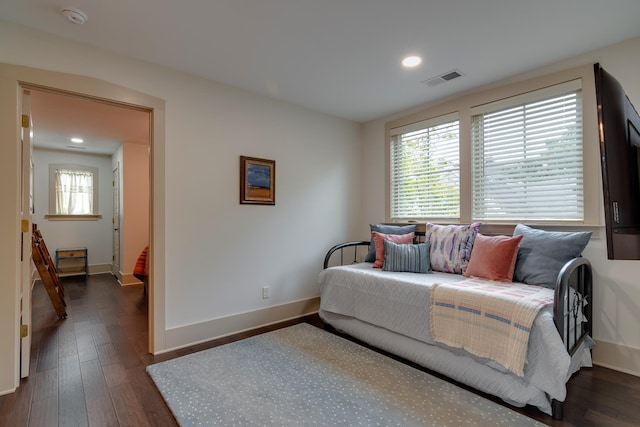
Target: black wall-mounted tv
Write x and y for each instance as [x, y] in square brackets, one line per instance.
[619, 130]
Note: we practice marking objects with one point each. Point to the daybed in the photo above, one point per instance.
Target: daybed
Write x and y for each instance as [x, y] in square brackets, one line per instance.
[394, 311]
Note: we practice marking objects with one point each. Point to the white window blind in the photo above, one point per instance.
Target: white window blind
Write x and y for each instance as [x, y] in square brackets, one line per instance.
[425, 169]
[527, 157]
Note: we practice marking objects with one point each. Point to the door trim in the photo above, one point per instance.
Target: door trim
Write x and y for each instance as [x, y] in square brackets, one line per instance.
[101, 91]
[115, 222]
[26, 200]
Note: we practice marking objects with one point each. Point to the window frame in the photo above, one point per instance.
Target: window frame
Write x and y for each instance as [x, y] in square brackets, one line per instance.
[53, 214]
[425, 126]
[463, 104]
[526, 107]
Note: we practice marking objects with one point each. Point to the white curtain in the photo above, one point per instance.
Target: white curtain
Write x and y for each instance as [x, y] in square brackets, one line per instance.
[74, 192]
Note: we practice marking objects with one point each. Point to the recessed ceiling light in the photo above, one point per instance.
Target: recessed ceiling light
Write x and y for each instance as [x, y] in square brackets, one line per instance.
[77, 140]
[411, 61]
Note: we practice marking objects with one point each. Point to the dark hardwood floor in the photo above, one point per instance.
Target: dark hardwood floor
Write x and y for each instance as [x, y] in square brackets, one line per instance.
[89, 369]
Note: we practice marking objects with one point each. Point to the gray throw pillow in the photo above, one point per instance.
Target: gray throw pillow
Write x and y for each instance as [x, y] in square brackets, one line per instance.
[542, 254]
[386, 229]
[413, 258]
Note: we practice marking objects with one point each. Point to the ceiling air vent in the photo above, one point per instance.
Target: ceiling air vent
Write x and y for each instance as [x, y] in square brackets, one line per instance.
[75, 147]
[442, 78]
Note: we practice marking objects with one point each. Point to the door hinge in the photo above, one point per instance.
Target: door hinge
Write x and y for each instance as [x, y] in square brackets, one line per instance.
[25, 225]
[25, 121]
[24, 331]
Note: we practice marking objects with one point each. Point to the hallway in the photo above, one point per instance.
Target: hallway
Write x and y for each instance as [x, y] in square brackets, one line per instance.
[90, 365]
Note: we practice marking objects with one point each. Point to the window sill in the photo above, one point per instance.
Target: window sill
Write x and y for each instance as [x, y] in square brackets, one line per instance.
[53, 217]
[494, 228]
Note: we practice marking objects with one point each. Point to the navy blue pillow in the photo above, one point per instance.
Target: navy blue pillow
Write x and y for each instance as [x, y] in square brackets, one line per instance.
[386, 229]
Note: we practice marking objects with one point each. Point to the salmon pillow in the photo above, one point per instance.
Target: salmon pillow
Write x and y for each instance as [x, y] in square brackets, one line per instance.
[493, 257]
[379, 239]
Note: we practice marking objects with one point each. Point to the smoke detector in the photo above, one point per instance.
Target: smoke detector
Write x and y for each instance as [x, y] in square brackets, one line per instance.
[442, 78]
[74, 15]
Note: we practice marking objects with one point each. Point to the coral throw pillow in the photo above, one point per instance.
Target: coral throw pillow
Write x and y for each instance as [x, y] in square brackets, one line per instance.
[493, 257]
[379, 239]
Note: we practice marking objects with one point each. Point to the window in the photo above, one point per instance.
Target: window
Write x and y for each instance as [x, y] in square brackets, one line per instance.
[522, 152]
[425, 169]
[527, 157]
[73, 190]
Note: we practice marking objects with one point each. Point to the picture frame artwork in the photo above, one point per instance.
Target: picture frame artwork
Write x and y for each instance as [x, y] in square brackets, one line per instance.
[257, 181]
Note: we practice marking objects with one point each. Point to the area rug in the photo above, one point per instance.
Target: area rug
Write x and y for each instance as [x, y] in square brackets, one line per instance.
[305, 376]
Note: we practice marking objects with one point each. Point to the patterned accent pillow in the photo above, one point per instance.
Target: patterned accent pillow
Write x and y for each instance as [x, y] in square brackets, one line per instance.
[451, 246]
[408, 258]
[379, 238]
[386, 229]
[493, 257]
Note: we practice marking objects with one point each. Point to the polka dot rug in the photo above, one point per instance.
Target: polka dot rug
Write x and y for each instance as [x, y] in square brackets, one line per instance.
[305, 376]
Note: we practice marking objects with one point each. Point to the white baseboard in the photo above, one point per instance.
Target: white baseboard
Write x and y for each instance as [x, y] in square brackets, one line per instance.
[93, 269]
[99, 268]
[617, 357]
[185, 336]
[4, 392]
[129, 279]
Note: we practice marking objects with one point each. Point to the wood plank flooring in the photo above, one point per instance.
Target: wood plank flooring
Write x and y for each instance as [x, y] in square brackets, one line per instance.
[89, 369]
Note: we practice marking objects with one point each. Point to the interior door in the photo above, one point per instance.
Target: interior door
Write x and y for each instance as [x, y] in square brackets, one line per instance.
[115, 264]
[26, 208]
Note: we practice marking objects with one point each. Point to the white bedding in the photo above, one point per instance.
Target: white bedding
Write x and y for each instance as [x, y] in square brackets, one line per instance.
[399, 302]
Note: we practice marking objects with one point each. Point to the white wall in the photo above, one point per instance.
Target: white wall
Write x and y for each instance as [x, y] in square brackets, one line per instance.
[132, 160]
[219, 254]
[616, 305]
[135, 207]
[95, 235]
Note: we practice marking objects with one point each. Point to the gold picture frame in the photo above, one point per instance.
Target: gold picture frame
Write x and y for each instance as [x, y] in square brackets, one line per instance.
[257, 181]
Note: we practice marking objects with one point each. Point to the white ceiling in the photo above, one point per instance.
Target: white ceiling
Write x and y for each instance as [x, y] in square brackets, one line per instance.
[103, 127]
[342, 57]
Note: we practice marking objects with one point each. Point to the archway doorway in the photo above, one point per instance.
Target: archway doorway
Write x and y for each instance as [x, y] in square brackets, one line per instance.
[13, 78]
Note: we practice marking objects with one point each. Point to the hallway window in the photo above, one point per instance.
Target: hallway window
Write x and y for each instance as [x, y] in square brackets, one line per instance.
[73, 190]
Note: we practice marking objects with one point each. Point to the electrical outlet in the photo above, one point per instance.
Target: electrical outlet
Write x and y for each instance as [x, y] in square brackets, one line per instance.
[265, 292]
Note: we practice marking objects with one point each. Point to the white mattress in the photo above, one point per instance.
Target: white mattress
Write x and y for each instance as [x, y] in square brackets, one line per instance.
[397, 303]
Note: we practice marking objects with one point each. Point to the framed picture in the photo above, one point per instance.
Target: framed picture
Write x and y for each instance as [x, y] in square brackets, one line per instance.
[257, 181]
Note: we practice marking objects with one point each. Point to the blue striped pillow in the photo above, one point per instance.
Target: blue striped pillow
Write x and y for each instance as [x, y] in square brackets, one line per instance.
[412, 258]
[385, 229]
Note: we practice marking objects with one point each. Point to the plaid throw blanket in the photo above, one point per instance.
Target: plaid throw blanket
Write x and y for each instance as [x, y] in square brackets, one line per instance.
[488, 319]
